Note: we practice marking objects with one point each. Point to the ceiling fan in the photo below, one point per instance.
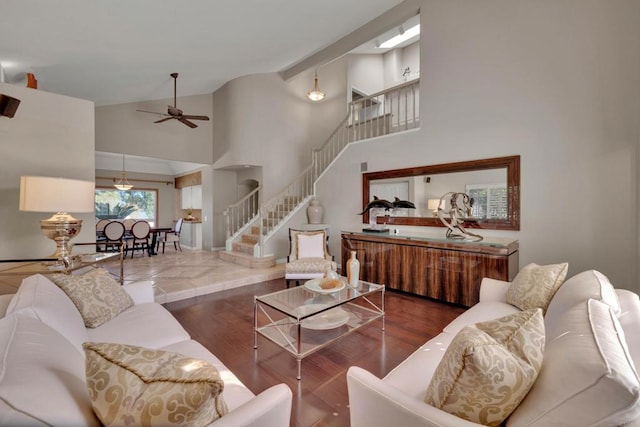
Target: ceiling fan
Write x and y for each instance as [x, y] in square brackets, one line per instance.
[174, 112]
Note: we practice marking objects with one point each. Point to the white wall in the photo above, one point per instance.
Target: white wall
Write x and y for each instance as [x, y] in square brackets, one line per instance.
[263, 120]
[122, 129]
[224, 188]
[557, 83]
[50, 135]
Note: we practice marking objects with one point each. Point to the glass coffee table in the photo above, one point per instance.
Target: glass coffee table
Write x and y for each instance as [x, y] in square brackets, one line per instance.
[307, 318]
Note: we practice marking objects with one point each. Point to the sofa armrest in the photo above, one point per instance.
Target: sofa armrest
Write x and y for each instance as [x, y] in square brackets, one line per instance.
[271, 408]
[493, 290]
[5, 300]
[140, 292]
[374, 403]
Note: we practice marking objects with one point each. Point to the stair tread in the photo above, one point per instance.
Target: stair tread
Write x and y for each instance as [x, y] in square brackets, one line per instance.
[245, 255]
[247, 260]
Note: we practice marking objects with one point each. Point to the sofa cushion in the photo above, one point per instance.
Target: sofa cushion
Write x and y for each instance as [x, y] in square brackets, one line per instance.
[535, 285]
[577, 289]
[310, 265]
[42, 379]
[587, 375]
[131, 385]
[425, 361]
[479, 313]
[39, 298]
[96, 295]
[489, 367]
[147, 325]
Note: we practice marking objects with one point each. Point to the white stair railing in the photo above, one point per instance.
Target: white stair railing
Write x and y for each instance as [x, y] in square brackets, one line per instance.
[392, 110]
[241, 213]
[276, 210]
[389, 111]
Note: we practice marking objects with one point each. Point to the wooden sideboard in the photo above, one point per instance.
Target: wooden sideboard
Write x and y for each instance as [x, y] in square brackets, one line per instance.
[440, 268]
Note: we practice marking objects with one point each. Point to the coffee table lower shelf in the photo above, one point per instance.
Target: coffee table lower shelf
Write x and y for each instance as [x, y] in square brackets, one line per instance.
[304, 336]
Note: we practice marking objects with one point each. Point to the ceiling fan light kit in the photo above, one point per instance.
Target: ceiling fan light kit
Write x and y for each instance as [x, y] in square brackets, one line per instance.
[173, 112]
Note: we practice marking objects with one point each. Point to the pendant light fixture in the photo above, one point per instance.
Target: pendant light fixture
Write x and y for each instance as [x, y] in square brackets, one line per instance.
[123, 184]
[315, 94]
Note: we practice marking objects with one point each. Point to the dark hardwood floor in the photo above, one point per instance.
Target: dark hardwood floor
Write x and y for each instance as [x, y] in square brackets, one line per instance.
[223, 322]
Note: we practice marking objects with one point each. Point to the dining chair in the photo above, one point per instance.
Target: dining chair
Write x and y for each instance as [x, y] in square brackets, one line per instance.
[113, 232]
[172, 236]
[100, 226]
[100, 231]
[140, 233]
[309, 256]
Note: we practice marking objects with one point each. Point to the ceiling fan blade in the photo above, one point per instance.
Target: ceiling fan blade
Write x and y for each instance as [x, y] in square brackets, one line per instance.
[152, 112]
[187, 122]
[164, 120]
[187, 116]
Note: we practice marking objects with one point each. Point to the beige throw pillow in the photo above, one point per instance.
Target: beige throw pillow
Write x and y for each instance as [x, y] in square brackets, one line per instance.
[131, 385]
[96, 295]
[489, 368]
[535, 285]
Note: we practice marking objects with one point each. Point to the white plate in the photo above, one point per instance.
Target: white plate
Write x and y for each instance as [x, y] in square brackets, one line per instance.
[329, 319]
[314, 286]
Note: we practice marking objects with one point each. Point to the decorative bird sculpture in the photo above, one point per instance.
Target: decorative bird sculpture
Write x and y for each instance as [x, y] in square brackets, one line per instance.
[397, 203]
[377, 203]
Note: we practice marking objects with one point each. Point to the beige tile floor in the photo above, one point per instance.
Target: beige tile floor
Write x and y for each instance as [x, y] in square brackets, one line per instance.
[180, 275]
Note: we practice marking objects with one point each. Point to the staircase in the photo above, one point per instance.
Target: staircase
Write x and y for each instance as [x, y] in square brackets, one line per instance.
[251, 223]
[242, 251]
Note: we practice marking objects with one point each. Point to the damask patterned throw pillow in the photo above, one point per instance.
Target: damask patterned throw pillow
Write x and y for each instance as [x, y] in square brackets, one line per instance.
[489, 368]
[535, 285]
[96, 295]
[131, 385]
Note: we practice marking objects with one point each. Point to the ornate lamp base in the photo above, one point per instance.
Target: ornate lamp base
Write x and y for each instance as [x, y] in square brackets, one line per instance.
[61, 227]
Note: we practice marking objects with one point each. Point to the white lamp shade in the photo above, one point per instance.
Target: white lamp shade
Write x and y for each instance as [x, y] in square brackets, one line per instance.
[50, 194]
[432, 204]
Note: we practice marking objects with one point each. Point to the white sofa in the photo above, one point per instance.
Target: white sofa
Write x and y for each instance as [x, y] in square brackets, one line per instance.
[42, 365]
[588, 375]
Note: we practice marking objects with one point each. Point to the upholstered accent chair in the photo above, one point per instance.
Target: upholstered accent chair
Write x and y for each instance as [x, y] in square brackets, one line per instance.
[309, 256]
[172, 236]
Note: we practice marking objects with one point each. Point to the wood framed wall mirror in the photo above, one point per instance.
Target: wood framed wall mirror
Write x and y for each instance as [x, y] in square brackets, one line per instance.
[494, 184]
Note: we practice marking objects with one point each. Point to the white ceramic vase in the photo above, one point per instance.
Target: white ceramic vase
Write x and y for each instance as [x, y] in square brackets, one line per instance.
[353, 270]
[314, 211]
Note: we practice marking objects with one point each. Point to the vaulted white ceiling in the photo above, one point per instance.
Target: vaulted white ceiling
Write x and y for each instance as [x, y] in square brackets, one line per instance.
[119, 51]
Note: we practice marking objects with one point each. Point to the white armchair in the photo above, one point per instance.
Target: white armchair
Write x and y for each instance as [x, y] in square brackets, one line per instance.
[172, 237]
[309, 256]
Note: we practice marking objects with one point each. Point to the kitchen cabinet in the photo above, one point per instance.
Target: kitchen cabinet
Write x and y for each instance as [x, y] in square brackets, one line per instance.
[191, 197]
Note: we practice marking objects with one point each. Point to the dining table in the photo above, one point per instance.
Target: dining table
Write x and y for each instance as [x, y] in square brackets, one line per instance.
[154, 231]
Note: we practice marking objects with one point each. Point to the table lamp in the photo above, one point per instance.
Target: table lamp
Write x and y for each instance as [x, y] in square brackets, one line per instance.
[433, 205]
[59, 195]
